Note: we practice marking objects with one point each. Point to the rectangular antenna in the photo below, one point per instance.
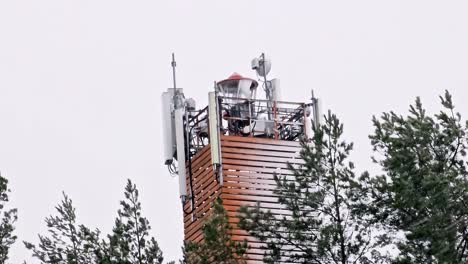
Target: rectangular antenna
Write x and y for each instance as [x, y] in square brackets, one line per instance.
[168, 127]
[213, 119]
[180, 131]
[317, 112]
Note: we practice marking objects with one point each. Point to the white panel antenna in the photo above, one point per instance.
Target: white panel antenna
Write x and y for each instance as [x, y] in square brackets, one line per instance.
[179, 132]
[213, 119]
[308, 122]
[168, 127]
[317, 112]
[275, 89]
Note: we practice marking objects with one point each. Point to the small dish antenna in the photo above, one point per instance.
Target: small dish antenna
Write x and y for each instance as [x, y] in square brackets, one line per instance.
[262, 65]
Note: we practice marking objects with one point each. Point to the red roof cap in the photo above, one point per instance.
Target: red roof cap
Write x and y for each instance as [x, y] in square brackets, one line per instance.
[235, 76]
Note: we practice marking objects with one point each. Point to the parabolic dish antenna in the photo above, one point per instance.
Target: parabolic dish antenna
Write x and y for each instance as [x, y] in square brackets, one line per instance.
[262, 65]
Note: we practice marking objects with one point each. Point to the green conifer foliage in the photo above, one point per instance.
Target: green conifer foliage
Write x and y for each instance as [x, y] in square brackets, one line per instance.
[71, 243]
[130, 242]
[8, 218]
[424, 190]
[217, 245]
[324, 199]
[67, 242]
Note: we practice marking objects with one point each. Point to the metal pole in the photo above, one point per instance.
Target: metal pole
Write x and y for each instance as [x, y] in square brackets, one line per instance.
[250, 118]
[174, 64]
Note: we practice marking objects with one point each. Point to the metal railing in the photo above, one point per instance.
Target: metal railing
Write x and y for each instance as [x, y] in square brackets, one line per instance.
[250, 118]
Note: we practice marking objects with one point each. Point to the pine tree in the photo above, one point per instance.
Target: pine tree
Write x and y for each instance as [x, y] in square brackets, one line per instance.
[130, 242]
[325, 201]
[71, 243]
[68, 242]
[424, 191]
[217, 245]
[8, 218]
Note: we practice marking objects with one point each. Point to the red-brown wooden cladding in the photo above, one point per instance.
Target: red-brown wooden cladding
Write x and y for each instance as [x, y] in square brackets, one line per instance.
[248, 166]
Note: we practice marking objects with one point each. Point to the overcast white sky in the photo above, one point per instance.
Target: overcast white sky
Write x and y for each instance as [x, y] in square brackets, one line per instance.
[80, 85]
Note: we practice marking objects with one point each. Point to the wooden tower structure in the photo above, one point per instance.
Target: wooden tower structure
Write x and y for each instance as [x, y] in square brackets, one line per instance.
[232, 148]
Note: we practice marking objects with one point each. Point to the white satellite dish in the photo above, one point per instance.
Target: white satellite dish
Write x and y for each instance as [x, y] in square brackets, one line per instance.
[262, 65]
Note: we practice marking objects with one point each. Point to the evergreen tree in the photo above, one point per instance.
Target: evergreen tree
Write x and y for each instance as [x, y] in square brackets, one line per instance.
[424, 191]
[130, 242]
[325, 201]
[217, 245]
[8, 218]
[68, 242]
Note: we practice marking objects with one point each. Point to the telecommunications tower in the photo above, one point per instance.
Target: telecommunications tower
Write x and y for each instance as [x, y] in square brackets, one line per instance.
[232, 147]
